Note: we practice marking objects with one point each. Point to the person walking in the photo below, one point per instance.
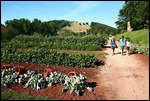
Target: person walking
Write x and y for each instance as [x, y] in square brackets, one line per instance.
[113, 45]
[128, 44]
[122, 44]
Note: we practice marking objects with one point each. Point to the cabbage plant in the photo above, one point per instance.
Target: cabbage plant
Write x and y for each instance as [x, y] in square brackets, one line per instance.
[76, 84]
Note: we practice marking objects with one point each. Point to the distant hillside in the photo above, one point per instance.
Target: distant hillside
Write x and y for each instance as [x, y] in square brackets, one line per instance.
[60, 23]
[139, 36]
[94, 28]
[77, 27]
[102, 29]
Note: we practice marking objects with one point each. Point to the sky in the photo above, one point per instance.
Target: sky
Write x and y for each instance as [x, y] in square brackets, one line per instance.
[105, 12]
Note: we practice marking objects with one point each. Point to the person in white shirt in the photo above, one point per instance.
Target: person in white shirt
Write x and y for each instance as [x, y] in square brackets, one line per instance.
[128, 45]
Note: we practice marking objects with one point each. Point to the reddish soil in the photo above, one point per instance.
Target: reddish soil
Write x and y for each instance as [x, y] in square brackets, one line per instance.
[55, 90]
[125, 77]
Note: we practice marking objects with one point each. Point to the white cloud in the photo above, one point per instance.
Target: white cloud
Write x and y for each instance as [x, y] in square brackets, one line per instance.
[18, 7]
[10, 2]
[85, 5]
[88, 17]
[51, 3]
[79, 13]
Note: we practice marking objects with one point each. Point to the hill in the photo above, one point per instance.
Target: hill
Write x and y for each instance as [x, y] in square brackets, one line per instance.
[139, 36]
[102, 29]
[94, 28]
[76, 27]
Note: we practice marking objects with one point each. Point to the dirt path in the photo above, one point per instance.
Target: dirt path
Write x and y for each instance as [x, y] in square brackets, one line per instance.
[124, 77]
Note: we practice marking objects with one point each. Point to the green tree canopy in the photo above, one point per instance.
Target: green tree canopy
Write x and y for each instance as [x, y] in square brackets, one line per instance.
[25, 26]
[137, 12]
[101, 29]
[8, 33]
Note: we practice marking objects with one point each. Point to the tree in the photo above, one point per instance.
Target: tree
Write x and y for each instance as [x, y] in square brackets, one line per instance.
[137, 12]
[26, 26]
[101, 28]
[8, 33]
[22, 25]
[35, 25]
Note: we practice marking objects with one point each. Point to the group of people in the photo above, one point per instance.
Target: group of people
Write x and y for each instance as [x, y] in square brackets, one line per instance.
[124, 43]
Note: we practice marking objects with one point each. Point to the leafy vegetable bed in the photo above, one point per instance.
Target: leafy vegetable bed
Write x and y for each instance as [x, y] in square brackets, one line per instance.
[88, 42]
[46, 57]
[74, 83]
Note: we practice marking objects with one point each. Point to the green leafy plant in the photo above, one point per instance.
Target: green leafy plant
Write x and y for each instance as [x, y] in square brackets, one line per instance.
[55, 78]
[76, 84]
[47, 57]
[8, 77]
[140, 48]
[87, 42]
[28, 74]
[36, 82]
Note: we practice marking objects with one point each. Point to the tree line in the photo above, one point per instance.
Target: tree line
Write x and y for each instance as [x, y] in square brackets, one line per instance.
[26, 27]
[137, 12]
[98, 28]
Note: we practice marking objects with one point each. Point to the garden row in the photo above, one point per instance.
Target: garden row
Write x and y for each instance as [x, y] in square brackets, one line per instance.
[74, 83]
[140, 48]
[48, 57]
[88, 42]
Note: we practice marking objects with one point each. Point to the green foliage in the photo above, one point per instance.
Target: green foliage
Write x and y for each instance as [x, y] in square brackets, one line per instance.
[28, 74]
[140, 36]
[102, 29]
[55, 78]
[25, 26]
[36, 82]
[87, 23]
[12, 95]
[47, 57]
[54, 27]
[88, 42]
[140, 48]
[48, 29]
[7, 33]
[8, 76]
[137, 12]
[76, 84]
[22, 25]
[60, 23]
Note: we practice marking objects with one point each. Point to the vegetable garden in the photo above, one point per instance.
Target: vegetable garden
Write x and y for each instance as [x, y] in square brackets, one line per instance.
[37, 49]
[88, 42]
[36, 81]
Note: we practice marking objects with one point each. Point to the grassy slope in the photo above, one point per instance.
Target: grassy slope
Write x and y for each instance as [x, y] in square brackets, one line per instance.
[75, 27]
[140, 36]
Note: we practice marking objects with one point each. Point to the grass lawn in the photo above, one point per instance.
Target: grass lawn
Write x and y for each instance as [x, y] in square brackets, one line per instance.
[139, 36]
